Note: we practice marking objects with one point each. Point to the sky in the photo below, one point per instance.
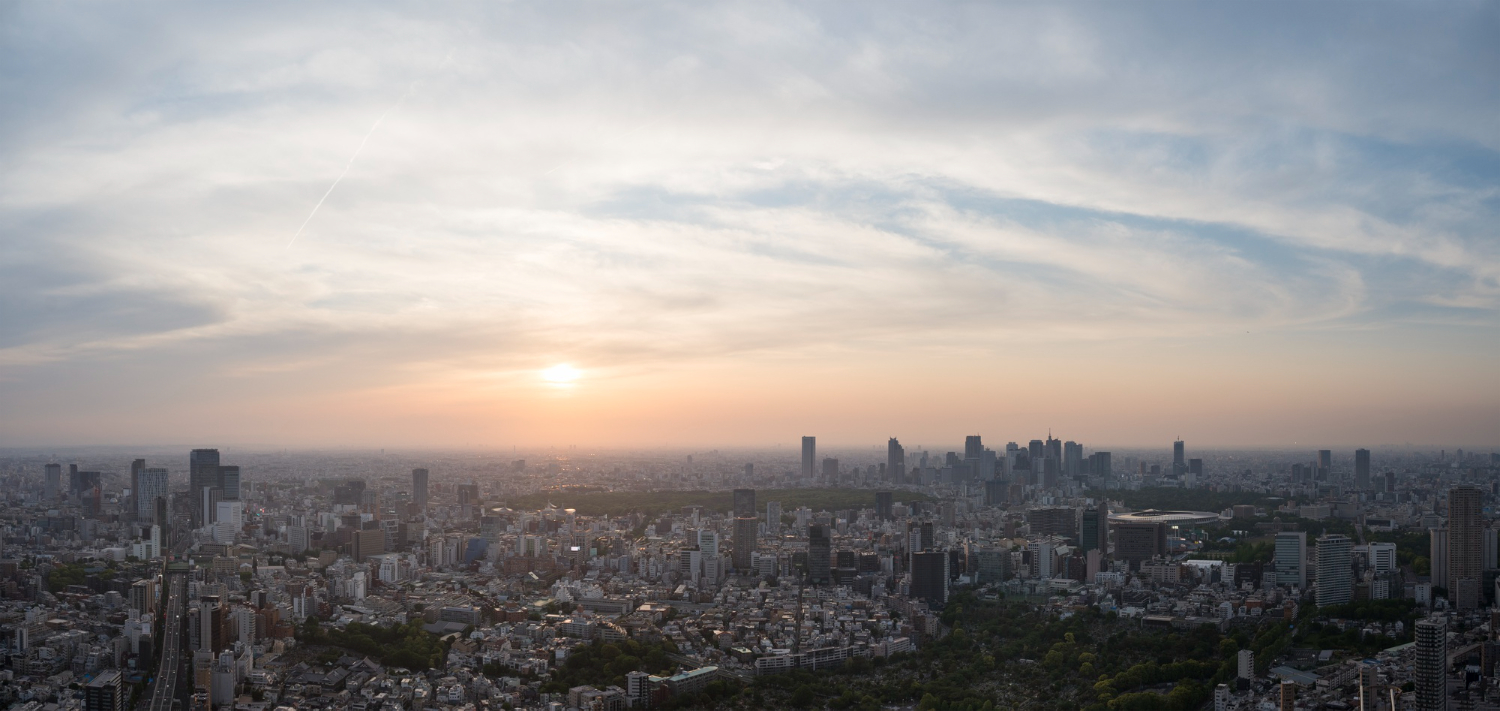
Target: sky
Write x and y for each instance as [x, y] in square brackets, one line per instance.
[1242, 224]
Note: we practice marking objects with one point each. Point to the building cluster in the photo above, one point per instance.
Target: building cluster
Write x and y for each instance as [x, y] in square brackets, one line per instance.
[290, 588]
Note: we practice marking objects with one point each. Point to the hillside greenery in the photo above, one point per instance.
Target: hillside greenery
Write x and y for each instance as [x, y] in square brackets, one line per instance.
[406, 645]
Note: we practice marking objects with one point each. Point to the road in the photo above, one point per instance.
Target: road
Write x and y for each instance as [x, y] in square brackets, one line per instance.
[164, 690]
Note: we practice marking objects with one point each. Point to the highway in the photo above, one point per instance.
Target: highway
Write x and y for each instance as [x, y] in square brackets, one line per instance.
[164, 690]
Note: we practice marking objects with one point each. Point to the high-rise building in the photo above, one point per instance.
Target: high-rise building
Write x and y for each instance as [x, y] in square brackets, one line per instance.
[419, 488]
[744, 541]
[229, 481]
[1288, 695]
[51, 481]
[1179, 458]
[1054, 521]
[1095, 529]
[819, 555]
[1465, 547]
[1437, 555]
[995, 492]
[153, 485]
[1246, 664]
[809, 457]
[895, 462]
[929, 577]
[1430, 664]
[366, 543]
[830, 470]
[883, 506]
[773, 516]
[1072, 464]
[973, 446]
[1137, 541]
[105, 692]
[1103, 469]
[744, 503]
[1291, 559]
[136, 467]
[1325, 459]
[1383, 557]
[203, 473]
[1335, 570]
[1362, 469]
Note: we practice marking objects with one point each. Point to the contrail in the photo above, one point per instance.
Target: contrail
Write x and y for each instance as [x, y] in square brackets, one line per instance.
[357, 151]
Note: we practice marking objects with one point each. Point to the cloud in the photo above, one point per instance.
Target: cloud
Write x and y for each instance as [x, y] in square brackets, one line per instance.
[646, 186]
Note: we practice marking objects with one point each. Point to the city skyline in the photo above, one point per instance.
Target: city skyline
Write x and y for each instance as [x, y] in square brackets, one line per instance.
[488, 226]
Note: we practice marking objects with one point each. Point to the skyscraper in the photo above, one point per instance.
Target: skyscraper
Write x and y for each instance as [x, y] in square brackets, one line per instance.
[809, 457]
[1103, 468]
[883, 505]
[744, 541]
[419, 488]
[895, 462]
[773, 516]
[1362, 469]
[1072, 464]
[136, 467]
[819, 555]
[744, 503]
[1465, 547]
[229, 481]
[203, 473]
[1335, 570]
[1430, 664]
[1095, 528]
[1179, 458]
[929, 577]
[972, 447]
[1325, 462]
[51, 481]
[153, 484]
[1291, 559]
[830, 470]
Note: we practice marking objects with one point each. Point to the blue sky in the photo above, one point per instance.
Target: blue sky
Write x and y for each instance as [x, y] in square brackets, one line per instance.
[743, 222]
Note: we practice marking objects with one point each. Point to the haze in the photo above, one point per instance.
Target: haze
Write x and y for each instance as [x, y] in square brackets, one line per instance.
[1250, 225]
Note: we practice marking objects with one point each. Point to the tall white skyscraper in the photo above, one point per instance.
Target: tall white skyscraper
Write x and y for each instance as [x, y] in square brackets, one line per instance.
[1335, 570]
[1291, 558]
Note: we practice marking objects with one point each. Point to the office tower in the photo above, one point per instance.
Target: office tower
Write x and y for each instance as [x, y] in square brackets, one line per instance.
[972, 447]
[744, 502]
[1390, 482]
[419, 488]
[229, 481]
[136, 467]
[744, 541]
[1325, 459]
[1465, 547]
[1179, 458]
[51, 481]
[920, 534]
[351, 492]
[1430, 664]
[1383, 557]
[1137, 541]
[1103, 468]
[106, 692]
[819, 555]
[1054, 521]
[1036, 450]
[830, 470]
[929, 577]
[153, 485]
[1095, 529]
[1362, 469]
[809, 457]
[773, 516]
[1437, 555]
[1195, 468]
[1291, 559]
[895, 462]
[1335, 570]
[883, 505]
[203, 473]
[1072, 464]
[995, 492]
[368, 542]
[468, 494]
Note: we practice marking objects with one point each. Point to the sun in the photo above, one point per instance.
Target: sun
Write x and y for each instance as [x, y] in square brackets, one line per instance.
[561, 374]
